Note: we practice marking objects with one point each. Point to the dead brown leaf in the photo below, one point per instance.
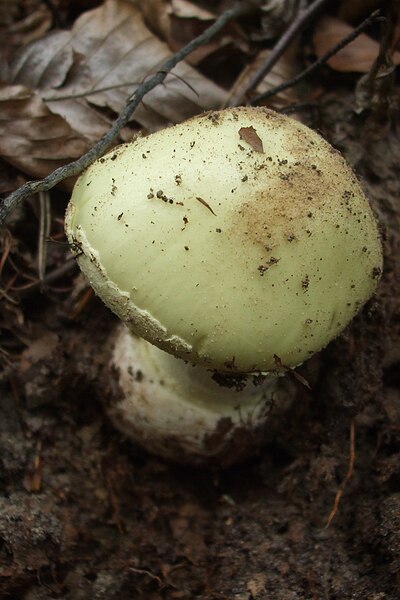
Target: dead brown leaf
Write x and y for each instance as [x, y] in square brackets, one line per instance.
[277, 14]
[22, 33]
[250, 135]
[357, 56]
[46, 63]
[157, 14]
[32, 138]
[104, 58]
[179, 21]
[31, 28]
[8, 12]
[188, 10]
[355, 10]
[182, 30]
[282, 71]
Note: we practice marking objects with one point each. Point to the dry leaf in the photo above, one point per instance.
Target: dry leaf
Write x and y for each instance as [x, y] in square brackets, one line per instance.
[14, 35]
[188, 10]
[357, 56]
[25, 31]
[111, 52]
[277, 16]
[183, 30]
[355, 10]
[188, 20]
[179, 21]
[45, 64]
[31, 28]
[155, 15]
[282, 71]
[8, 12]
[32, 138]
[250, 135]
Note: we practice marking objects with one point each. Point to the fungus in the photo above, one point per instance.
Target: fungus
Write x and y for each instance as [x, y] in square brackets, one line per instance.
[278, 252]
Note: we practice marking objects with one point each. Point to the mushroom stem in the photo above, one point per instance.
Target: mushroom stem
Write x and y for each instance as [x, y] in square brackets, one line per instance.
[183, 412]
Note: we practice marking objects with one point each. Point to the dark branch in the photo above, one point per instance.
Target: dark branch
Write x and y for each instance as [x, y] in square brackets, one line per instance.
[318, 63]
[303, 17]
[374, 91]
[77, 166]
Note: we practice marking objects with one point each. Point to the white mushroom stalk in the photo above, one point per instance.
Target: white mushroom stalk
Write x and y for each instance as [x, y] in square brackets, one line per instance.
[187, 413]
[238, 241]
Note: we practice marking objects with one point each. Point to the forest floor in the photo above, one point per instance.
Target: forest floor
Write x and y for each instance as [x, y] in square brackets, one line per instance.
[86, 514]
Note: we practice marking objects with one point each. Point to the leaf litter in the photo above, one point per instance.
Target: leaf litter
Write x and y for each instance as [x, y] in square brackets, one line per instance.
[358, 56]
[107, 54]
[65, 88]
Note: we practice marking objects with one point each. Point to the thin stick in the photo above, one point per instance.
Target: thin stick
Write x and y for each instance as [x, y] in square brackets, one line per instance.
[88, 92]
[107, 89]
[66, 268]
[302, 18]
[347, 477]
[44, 232]
[77, 166]
[322, 60]
[375, 89]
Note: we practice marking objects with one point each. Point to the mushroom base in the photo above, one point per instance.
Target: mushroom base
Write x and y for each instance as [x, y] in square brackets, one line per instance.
[183, 412]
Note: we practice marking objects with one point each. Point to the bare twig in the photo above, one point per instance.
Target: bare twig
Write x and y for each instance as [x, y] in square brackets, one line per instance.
[66, 268]
[87, 93]
[107, 89]
[347, 477]
[77, 166]
[44, 232]
[7, 242]
[302, 18]
[321, 61]
[374, 91]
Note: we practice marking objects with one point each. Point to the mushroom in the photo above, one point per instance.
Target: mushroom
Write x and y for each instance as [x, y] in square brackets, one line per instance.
[233, 247]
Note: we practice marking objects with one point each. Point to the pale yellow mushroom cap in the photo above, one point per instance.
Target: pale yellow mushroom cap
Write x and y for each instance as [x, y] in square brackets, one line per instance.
[239, 240]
